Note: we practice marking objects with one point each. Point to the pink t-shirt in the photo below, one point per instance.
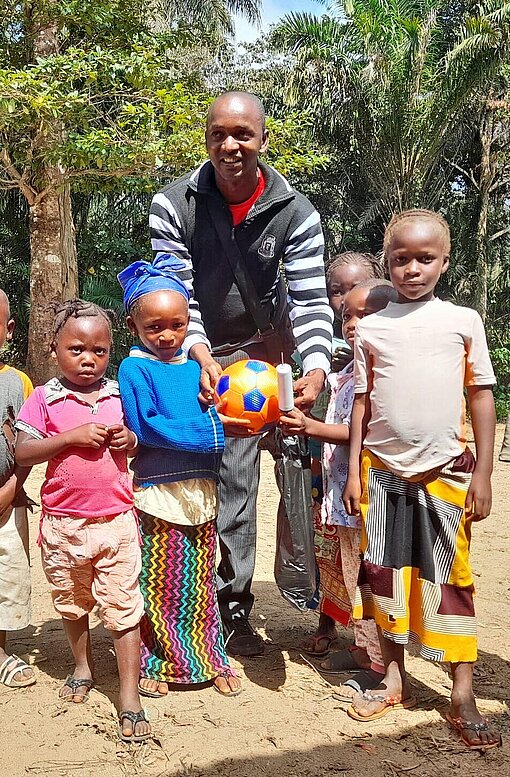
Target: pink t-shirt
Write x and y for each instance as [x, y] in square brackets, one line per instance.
[79, 481]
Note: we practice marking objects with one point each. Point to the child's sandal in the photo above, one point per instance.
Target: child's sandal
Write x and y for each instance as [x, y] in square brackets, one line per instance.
[75, 683]
[134, 718]
[226, 675]
[12, 666]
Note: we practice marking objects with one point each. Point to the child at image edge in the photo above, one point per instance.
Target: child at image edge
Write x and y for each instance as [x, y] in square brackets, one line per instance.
[176, 473]
[416, 484]
[89, 535]
[338, 587]
[15, 387]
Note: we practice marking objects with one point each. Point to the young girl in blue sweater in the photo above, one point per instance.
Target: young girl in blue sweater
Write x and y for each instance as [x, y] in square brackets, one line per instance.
[175, 480]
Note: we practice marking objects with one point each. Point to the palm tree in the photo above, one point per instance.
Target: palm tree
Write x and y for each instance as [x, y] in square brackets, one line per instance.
[482, 50]
[390, 84]
[212, 18]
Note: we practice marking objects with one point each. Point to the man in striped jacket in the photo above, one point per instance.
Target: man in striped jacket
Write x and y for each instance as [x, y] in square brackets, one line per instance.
[234, 205]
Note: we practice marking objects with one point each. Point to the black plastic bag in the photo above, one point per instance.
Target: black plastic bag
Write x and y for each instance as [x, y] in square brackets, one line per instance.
[294, 566]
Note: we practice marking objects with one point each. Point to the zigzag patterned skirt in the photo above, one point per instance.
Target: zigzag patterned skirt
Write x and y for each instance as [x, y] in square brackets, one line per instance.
[415, 578]
[182, 638]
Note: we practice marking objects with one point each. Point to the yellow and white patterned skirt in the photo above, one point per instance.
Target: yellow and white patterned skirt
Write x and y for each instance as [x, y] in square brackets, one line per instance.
[415, 578]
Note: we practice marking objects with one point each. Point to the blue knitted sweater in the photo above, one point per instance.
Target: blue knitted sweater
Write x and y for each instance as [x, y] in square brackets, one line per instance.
[178, 437]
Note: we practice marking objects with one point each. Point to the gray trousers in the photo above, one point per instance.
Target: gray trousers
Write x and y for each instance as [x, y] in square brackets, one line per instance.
[237, 515]
[237, 525]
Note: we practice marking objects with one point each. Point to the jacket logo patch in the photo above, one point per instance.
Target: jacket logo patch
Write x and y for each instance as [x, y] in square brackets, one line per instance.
[267, 247]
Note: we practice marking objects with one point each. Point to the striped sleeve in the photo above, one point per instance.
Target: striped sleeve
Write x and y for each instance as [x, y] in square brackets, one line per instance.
[310, 313]
[168, 236]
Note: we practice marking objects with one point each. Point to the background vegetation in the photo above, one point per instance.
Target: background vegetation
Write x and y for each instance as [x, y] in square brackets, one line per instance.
[375, 106]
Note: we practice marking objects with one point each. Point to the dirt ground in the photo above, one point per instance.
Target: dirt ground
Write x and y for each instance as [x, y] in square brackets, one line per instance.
[286, 722]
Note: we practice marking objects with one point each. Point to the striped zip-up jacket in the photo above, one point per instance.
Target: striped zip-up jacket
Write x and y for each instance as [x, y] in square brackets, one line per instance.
[282, 229]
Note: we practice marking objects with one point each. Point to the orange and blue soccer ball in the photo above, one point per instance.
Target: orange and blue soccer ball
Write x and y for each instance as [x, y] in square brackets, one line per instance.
[249, 389]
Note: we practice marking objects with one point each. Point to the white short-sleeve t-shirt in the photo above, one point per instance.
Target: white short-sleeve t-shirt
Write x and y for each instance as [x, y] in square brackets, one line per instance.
[415, 360]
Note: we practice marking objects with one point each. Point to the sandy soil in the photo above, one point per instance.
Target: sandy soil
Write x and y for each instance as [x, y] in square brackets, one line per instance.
[286, 722]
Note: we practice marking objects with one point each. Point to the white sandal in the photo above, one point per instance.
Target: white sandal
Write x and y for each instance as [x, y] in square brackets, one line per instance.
[10, 668]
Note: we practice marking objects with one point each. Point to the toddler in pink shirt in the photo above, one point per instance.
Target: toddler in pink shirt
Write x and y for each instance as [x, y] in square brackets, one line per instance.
[89, 535]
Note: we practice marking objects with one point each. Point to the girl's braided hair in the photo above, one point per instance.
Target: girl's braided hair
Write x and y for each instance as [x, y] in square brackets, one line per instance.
[417, 214]
[76, 308]
[369, 261]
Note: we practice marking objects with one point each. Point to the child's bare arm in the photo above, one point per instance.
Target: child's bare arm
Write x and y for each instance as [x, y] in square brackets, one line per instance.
[296, 422]
[359, 420]
[483, 419]
[30, 450]
[11, 487]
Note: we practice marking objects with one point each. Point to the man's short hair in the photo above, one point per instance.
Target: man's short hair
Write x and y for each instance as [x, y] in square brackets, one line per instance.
[249, 96]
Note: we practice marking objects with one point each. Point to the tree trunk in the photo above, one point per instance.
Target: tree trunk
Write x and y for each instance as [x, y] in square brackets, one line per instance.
[481, 242]
[53, 274]
[54, 266]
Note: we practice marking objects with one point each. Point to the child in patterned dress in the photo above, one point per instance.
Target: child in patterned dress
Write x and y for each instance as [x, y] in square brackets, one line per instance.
[343, 272]
[338, 553]
[176, 472]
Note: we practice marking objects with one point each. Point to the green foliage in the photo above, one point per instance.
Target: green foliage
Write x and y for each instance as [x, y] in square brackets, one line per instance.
[502, 408]
[500, 357]
[210, 17]
[390, 86]
[15, 269]
[102, 90]
[113, 116]
[115, 104]
[292, 150]
[398, 93]
[501, 363]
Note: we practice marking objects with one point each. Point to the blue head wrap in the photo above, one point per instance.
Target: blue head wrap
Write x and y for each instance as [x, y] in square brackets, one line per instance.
[142, 278]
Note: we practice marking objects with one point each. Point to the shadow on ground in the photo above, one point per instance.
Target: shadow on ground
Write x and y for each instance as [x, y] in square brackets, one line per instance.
[425, 751]
[492, 673]
[48, 647]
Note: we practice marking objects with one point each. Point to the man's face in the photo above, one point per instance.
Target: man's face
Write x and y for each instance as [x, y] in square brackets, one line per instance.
[234, 138]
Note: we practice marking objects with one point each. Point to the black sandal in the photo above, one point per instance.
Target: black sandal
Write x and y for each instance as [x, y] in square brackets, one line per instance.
[134, 717]
[74, 683]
